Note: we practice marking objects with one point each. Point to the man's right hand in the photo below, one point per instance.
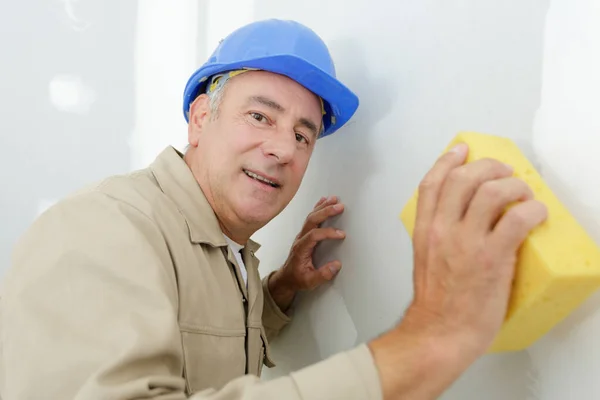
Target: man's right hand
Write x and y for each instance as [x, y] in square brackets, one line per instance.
[465, 250]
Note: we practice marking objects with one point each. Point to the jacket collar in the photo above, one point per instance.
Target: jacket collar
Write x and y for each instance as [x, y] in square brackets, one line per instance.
[176, 180]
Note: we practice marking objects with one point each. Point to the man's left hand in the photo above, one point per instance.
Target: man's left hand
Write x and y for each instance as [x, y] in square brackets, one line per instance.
[298, 272]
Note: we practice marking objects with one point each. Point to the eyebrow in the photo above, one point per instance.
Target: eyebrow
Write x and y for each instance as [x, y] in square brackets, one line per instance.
[278, 107]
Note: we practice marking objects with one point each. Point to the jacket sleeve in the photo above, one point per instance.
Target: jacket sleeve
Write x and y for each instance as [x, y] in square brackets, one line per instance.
[89, 311]
[274, 320]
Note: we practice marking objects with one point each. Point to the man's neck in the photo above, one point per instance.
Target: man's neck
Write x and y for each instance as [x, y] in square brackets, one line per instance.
[239, 239]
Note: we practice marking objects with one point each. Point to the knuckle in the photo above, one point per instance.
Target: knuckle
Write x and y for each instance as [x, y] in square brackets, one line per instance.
[328, 211]
[316, 234]
[493, 165]
[524, 187]
[459, 174]
[428, 183]
[519, 189]
[312, 218]
[517, 218]
[296, 246]
[436, 233]
[492, 190]
[432, 180]
[436, 176]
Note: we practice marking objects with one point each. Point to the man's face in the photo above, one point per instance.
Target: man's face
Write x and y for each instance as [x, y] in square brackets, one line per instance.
[251, 157]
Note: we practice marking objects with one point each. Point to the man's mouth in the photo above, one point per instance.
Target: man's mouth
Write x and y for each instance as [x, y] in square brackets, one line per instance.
[261, 178]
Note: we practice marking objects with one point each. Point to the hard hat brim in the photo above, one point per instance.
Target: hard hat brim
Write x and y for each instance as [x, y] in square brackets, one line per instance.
[340, 100]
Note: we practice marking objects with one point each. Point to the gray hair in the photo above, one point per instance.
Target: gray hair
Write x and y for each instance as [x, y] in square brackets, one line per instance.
[215, 98]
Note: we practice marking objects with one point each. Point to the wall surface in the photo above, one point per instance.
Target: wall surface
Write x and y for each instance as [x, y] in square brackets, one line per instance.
[90, 88]
[66, 102]
[566, 139]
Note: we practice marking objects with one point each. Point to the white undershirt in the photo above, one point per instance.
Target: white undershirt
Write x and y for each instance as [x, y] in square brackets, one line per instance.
[235, 247]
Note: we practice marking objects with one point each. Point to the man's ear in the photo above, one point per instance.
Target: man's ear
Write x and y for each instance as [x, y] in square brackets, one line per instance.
[199, 115]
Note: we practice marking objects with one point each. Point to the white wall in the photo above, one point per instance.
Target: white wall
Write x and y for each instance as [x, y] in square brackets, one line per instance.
[93, 87]
[566, 139]
[66, 102]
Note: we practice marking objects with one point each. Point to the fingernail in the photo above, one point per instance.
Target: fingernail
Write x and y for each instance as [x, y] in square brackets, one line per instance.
[340, 233]
[338, 207]
[334, 269]
[460, 148]
[509, 167]
[331, 198]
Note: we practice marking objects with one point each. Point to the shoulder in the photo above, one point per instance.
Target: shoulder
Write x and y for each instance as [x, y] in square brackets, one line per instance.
[137, 190]
[120, 202]
[107, 225]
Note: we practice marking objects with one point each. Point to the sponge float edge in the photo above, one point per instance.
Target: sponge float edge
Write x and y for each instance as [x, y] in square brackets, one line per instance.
[558, 264]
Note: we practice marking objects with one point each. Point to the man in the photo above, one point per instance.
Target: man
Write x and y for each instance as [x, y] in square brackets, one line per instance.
[146, 286]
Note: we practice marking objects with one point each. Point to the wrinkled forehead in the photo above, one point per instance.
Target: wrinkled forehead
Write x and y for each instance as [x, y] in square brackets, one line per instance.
[217, 81]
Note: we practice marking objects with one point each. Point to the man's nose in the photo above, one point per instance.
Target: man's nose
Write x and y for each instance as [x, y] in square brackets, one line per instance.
[282, 146]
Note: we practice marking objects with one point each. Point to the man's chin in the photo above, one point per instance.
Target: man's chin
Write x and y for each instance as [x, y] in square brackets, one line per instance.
[259, 214]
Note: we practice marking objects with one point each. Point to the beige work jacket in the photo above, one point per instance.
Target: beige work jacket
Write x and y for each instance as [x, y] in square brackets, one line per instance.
[128, 290]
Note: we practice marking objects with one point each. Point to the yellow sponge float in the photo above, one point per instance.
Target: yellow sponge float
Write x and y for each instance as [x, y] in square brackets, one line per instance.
[559, 264]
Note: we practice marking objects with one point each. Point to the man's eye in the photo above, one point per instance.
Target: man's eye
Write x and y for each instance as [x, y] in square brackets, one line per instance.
[258, 117]
[301, 138]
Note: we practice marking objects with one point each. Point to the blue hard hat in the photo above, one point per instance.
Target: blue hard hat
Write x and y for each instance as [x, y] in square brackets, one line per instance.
[287, 48]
